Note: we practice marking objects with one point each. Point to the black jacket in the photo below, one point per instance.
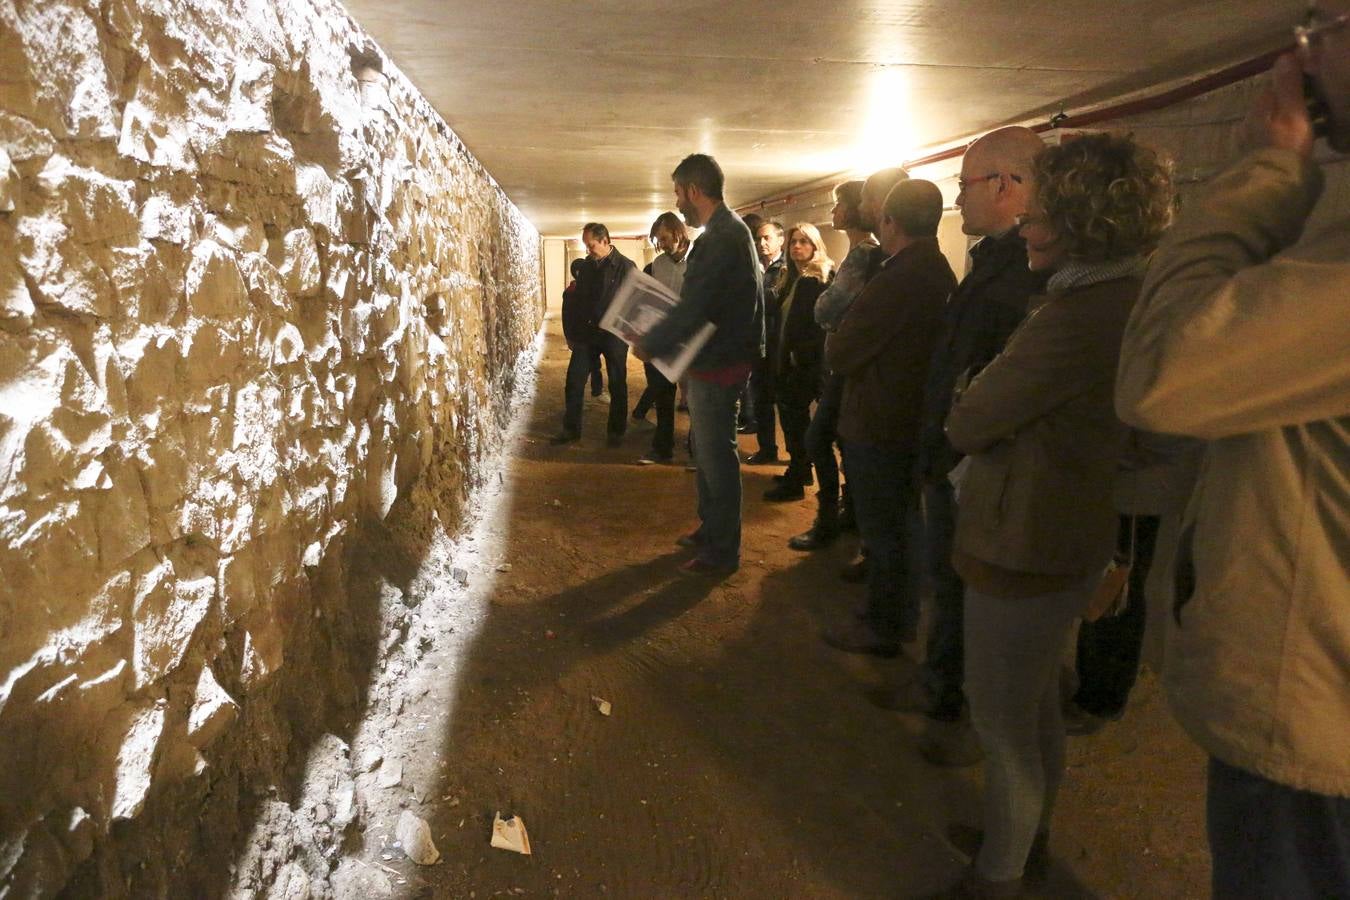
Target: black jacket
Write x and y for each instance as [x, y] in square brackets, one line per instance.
[803, 344]
[585, 304]
[721, 285]
[578, 306]
[986, 308]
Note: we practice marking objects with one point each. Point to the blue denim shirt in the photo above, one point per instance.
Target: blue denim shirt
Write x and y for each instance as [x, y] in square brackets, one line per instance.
[721, 285]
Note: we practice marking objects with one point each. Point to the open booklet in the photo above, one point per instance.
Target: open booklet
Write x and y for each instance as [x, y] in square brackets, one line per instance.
[639, 304]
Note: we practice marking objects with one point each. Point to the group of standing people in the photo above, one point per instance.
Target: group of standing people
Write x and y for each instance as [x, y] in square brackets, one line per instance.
[1101, 386]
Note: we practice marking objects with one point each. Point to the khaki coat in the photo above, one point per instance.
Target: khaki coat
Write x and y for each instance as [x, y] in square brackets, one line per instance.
[1242, 337]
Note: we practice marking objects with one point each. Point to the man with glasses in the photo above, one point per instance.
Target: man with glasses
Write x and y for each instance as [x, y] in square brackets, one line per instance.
[1240, 337]
[985, 310]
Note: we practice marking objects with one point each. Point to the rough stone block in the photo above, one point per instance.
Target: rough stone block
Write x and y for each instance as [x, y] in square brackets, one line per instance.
[250, 108]
[162, 219]
[9, 183]
[166, 613]
[135, 761]
[299, 263]
[212, 710]
[154, 127]
[16, 304]
[23, 140]
[214, 284]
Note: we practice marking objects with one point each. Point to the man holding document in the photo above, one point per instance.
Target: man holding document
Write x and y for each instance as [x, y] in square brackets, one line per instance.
[722, 288]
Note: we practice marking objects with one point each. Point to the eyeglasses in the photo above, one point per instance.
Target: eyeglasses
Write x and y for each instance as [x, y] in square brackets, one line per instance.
[962, 184]
[1308, 34]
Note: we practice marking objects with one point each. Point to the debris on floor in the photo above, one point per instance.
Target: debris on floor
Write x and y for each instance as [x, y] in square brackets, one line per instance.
[415, 835]
[510, 834]
[390, 774]
[602, 705]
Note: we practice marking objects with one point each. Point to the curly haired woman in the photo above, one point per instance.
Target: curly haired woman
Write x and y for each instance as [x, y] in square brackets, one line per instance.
[1036, 524]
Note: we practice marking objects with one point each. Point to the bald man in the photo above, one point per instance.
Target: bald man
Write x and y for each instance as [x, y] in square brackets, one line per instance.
[859, 267]
[995, 185]
[881, 350]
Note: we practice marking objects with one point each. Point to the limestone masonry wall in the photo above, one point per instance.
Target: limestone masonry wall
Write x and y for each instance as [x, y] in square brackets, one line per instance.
[254, 295]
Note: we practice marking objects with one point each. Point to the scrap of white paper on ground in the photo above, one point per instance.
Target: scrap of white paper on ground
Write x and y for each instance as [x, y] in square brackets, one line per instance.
[510, 834]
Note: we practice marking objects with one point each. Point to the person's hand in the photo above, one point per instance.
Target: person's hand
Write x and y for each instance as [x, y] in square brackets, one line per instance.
[1279, 119]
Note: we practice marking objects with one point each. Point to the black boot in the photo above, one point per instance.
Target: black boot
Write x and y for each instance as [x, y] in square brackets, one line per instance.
[823, 532]
[848, 520]
[785, 492]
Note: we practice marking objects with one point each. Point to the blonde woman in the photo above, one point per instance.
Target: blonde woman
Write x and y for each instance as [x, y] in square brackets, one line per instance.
[798, 353]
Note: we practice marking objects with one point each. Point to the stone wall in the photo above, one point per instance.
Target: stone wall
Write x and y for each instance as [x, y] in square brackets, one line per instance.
[256, 302]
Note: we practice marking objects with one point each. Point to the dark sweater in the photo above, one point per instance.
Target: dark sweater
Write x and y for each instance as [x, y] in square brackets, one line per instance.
[883, 346]
[985, 310]
[721, 285]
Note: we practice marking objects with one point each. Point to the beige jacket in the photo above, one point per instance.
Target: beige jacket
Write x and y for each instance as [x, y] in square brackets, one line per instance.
[1242, 337]
[1044, 443]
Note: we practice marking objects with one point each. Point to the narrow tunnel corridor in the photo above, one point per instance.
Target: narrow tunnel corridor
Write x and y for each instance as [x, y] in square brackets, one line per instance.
[741, 758]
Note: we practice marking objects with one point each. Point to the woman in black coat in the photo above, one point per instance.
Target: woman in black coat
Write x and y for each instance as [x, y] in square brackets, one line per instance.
[798, 352]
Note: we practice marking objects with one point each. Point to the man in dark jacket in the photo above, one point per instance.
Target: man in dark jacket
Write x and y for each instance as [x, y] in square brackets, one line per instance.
[762, 391]
[595, 290]
[985, 310]
[882, 348]
[722, 286]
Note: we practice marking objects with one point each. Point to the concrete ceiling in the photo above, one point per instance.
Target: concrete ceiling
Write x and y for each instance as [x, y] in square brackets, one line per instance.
[580, 110]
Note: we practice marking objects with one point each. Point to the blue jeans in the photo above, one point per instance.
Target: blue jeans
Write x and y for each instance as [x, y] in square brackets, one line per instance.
[1271, 841]
[882, 476]
[579, 371]
[941, 673]
[712, 425]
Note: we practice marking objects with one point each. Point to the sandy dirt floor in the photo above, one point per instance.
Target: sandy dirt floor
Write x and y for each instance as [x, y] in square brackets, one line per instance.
[742, 757]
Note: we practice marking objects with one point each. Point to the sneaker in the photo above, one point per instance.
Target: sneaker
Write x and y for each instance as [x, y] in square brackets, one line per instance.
[763, 458]
[654, 459]
[785, 493]
[818, 537]
[564, 437]
[854, 636]
[701, 565]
